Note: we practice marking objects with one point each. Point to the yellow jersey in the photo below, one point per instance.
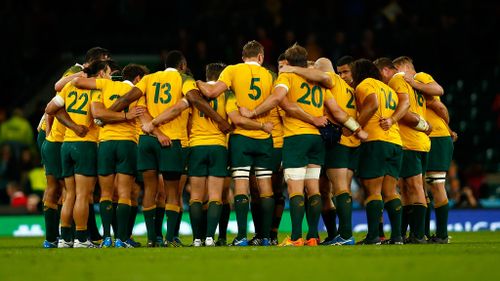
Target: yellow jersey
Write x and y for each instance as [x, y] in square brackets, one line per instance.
[439, 126]
[110, 91]
[251, 84]
[276, 115]
[77, 104]
[309, 96]
[162, 90]
[57, 130]
[344, 95]
[185, 121]
[387, 103]
[204, 131]
[412, 139]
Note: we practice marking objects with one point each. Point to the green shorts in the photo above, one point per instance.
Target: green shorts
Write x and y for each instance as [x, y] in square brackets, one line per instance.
[117, 156]
[441, 154]
[339, 156]
[51, 158]
[301, 150]
[79, 157]
[40, 139]
[245, 151]
[185, 157]
[207, 160]
[152, 156]
[277, 159]
[414, 163]
[379, 158]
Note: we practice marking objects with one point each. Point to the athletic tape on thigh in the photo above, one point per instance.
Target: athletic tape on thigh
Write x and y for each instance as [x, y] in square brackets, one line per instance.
[241, 173]
[313, 173]
[262, 173]
[294, 174]
[436, 178]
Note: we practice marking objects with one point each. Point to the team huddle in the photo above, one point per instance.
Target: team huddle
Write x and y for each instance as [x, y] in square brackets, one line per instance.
[245, 127]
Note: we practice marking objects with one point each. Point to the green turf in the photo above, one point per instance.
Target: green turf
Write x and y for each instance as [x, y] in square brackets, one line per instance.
[471, 256]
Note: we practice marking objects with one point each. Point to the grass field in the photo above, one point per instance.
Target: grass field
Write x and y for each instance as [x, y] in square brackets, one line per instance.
[470, 256]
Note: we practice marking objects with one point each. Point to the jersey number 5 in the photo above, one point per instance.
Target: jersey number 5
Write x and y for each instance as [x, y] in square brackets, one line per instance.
[255, 88]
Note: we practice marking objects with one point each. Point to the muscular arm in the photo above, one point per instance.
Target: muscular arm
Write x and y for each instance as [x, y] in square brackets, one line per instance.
[211, 90]
[296, 111]
[410, 119]
[99, 111]
[243, 122]
[64, 80]
[402, 108]
[439, 108]
[84, 83]
[338, 113]
[194, 97]
[431, 89]
[170, 113]
[368, 108]
[122, 102]
[310, 74]
[272, 101]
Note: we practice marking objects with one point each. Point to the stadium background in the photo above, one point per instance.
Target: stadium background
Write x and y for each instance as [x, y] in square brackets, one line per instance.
[455, 41]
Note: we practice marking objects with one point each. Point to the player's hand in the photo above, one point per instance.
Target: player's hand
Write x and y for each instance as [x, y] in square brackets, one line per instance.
[386, 123]
[81, 130]
[287, 68]
[361, 135]
[346, 132]
[267, 127]
[320, 121]
[225, 127]
[135, 112]
[163, 139]
[245, 112]
[454, 136]
[148, 127]
[409, 79]
[428, 132]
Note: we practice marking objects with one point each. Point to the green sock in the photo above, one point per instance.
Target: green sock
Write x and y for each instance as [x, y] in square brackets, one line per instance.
[159, 215]
[314, 207]
[267, 213]
[256, 210]
[82, 235]
[51, 223]
[131, 221]
[394, 211]
[114, 220]
[171, 222]
[329, 219]
[178, 225]
[419, 220]
[428, 219]
[241, 208]
[279, 205]
[343, 202]
[106, 209]
[213, 216]
[59, 208]
[67, 233]
[405, 219]
[442, 221]
[196, 216]
[92, 225]
[374, 210]
[224, 221]
[149, 219]
[122, 219]
[203, 229]
[297, 211]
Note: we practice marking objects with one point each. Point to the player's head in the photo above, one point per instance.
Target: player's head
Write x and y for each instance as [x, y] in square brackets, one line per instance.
[296, 55]
[404, 64]
[213, 70]
[386, 68]
[175, 59]
[99, 69]
[281, 61]
[134, 72]
[254, 51]
[324, 64]
[344, 68]
[362, 69]
[95, 54]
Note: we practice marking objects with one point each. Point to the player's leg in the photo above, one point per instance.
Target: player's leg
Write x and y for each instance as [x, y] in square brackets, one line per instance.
[392, 204]
[134, 199]
[149, 204]
[183, 182]
[215, 186]
[313, 203]
[407, 209]
[225, 212]
[198, 186]
[279, 202]
[161, 198]
[328, 211]
[66, 240]
[84, 188]
[106, 184]
[125, 184]
[256, 210]
[172, 206]
[341, 180]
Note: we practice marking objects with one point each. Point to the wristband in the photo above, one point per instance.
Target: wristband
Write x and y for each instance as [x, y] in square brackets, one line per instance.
[352, 124]
[422, 125]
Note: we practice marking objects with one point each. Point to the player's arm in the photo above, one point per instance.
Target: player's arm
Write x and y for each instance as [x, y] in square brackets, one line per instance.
[368, 108]
[416, 122]
[211, 90]
[166, 116]
[278, 94]
[84, 83]
[401, 109]
[99, 111]
[431, 88]
[310, 74]
[56, 108]
[146, 118]
[65, 80]
[194, 98]
[343, 118]
[124, 101]
[249, 124]
[295, 111]
[439, 108]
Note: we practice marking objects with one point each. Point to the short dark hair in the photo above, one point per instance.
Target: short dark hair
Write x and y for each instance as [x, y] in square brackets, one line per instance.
[252, 49]
[402, 60]
[281, 57]
[213, 70]
[130, 71]
[174, 59]
[296, 55]
[362, 69]
[92, 69]
[96, 53]
[345, 60]
[384, 62]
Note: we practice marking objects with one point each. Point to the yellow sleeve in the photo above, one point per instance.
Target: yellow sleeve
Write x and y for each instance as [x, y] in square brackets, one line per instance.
[423, 77]
[226, 76]
[188, 84]
[328, 94]
[231, 102]
[142, 85]
[141, 101]
[96, 96]
[101, 83]
[283, 81]
[400, 86]
[363, 90]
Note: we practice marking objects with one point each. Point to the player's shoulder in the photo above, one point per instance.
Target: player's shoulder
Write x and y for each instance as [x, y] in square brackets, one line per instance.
[423, 77]
[73, 69]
